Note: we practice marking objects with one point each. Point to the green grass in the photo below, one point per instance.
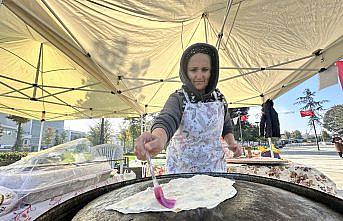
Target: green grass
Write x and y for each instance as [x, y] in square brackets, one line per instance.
[131, 157]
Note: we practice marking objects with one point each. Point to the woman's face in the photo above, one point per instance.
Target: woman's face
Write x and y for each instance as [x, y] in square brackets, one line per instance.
[199, 71]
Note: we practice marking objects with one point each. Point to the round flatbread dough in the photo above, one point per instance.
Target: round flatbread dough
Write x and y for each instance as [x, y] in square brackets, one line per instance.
[200, 191]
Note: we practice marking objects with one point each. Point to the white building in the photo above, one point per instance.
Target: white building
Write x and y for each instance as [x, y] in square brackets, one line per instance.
[31, 132]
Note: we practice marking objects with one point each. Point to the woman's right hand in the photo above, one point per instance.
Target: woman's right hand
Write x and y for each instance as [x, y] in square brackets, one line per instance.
[148, 142]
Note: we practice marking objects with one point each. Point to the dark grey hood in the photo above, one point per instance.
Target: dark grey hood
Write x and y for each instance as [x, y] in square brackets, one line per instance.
[187, 54]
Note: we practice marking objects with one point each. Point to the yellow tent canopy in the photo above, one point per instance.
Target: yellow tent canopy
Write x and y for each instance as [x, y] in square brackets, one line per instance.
[82, 59]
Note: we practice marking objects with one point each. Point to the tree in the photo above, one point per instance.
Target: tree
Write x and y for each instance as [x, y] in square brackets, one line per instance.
[325, 135]
[250, 132]
[296, 134]
[134, 129]
[333, 119]
[124, 138]
[235, 112]
[1, 131]
[48, 136]
[309, 103]
[239, 128]
[94, 133]
[57, 138]
[287, 134]
[63, 137]
[19, 121]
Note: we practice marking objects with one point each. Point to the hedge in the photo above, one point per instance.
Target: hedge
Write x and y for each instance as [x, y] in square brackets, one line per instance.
[12, 156]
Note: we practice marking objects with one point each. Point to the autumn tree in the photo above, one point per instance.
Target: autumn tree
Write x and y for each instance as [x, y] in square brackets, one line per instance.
[95, 130]
[63, 137]
[49, 134]
[134, 129]
[124, 138]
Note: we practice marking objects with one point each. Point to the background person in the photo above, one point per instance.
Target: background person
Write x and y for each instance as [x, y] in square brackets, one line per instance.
[337, 141]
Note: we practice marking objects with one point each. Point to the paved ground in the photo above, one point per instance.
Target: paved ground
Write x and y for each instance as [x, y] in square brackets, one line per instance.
[326, 160]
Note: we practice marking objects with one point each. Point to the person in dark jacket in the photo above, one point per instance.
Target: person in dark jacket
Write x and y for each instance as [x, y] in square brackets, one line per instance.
[269, 125]
[193, 119]
[337, 141]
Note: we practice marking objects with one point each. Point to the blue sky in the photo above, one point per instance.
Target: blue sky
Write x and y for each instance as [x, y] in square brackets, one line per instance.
[293, 121]
[288, 121]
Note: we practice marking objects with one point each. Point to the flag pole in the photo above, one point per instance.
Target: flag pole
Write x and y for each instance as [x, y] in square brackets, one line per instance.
[240, 129]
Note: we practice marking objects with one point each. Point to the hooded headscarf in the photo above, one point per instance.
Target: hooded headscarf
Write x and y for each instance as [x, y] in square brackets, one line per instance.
[212, 83]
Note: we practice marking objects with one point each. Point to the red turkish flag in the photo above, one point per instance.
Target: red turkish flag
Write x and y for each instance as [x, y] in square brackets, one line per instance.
[339, 65]
[244, 118]
[307, 113]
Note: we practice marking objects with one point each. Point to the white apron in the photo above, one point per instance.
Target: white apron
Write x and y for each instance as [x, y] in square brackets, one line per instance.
[196, 146]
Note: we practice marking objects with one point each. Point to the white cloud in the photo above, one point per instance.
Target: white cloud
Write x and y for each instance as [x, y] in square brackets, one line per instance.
[84, 125]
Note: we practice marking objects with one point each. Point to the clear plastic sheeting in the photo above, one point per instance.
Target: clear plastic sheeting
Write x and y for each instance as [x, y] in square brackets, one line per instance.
[58, 170]
[8, 199]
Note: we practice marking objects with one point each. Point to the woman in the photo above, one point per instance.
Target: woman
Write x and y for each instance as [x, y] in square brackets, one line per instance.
[193, 118]
[337, 141]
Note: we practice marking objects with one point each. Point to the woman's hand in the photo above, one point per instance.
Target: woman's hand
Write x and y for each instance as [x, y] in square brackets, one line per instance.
[233, 146]
[236, 149]
[151, 142]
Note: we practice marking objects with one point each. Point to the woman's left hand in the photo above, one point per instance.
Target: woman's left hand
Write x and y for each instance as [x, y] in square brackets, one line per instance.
[236, 149]
[233, 146]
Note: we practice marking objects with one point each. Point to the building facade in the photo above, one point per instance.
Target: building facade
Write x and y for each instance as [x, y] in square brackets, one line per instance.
[53, 131]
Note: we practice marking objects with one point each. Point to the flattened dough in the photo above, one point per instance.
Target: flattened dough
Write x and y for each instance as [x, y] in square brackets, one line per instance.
[190, 193]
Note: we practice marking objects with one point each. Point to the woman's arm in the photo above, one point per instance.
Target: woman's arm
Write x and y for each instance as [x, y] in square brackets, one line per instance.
[233, 146]
[170, 116]
[164, 127]
[152, 142]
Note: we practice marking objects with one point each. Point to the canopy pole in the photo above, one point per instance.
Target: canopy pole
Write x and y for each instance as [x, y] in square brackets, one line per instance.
[41, 131]
[204, 16]
[35, 85]
[266, 68]
[66, 28]
[143, 120]
[240, 129]
[220, 34]
[271, 147]
[145, 115]
[143, 174]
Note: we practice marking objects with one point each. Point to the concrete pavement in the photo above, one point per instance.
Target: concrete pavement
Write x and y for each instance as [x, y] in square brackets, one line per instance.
[326, 160]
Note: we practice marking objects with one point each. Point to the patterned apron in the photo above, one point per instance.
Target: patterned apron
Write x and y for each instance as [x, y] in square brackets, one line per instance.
[196, 146]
